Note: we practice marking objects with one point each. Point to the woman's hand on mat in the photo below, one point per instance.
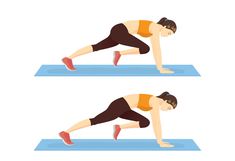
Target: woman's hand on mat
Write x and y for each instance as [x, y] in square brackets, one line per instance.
[166, 71]
[165, 145]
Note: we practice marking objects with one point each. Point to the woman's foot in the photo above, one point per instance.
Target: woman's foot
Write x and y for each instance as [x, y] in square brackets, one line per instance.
[68, 63]
[66, 138]
[116, 58]
[116, 132]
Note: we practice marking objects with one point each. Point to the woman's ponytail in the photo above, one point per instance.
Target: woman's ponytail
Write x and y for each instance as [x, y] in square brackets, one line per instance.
[162, 20]
[163, 95]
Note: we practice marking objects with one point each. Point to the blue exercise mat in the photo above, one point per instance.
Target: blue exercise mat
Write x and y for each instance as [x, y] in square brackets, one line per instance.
[110, 70]
[116, 145]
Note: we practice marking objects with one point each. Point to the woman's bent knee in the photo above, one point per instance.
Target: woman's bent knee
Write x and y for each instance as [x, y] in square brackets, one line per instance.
[144, 123]
[145, 49]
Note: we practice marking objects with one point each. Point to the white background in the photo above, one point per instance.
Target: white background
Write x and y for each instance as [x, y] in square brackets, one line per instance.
[33, 33]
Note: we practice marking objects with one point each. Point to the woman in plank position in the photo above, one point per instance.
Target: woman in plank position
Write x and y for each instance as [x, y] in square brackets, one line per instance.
[123, 108]
[123, 34]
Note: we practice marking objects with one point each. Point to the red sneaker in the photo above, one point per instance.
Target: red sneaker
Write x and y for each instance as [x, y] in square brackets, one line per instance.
[116, 132]
[116, 58]
[68, 63]
[66, 138]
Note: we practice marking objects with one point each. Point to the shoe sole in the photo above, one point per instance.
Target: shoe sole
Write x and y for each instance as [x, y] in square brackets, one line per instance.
[114, 59]
[69, 69]
[114, 132]
[67, 143]
[114, 129]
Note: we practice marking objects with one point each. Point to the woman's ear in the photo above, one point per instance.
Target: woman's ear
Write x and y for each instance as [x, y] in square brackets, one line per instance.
[161, 102]
[162, 27]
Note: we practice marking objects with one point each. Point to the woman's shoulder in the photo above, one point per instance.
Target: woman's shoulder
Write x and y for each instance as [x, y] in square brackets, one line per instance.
[154, 28]
[153, 101]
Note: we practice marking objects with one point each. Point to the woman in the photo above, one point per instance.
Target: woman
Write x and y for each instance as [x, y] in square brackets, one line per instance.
[123, 34]
[123, 108]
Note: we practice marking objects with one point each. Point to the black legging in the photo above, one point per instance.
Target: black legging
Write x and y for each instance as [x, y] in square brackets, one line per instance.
[120, 35]
[119, 108]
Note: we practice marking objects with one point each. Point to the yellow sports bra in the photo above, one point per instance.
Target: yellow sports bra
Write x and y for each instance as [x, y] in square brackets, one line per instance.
[143, 103]
[144, 28]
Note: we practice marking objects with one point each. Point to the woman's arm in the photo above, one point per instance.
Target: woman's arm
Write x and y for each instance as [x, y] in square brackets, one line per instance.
[156, 124]
[155, 41]
[155, 115]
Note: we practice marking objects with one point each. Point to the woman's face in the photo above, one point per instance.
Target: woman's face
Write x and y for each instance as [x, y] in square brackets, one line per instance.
[166, 106]
[166, 32]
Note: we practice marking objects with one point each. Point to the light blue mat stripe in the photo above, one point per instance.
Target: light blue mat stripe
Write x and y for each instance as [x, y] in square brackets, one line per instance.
[110, 70]
[119, 145]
